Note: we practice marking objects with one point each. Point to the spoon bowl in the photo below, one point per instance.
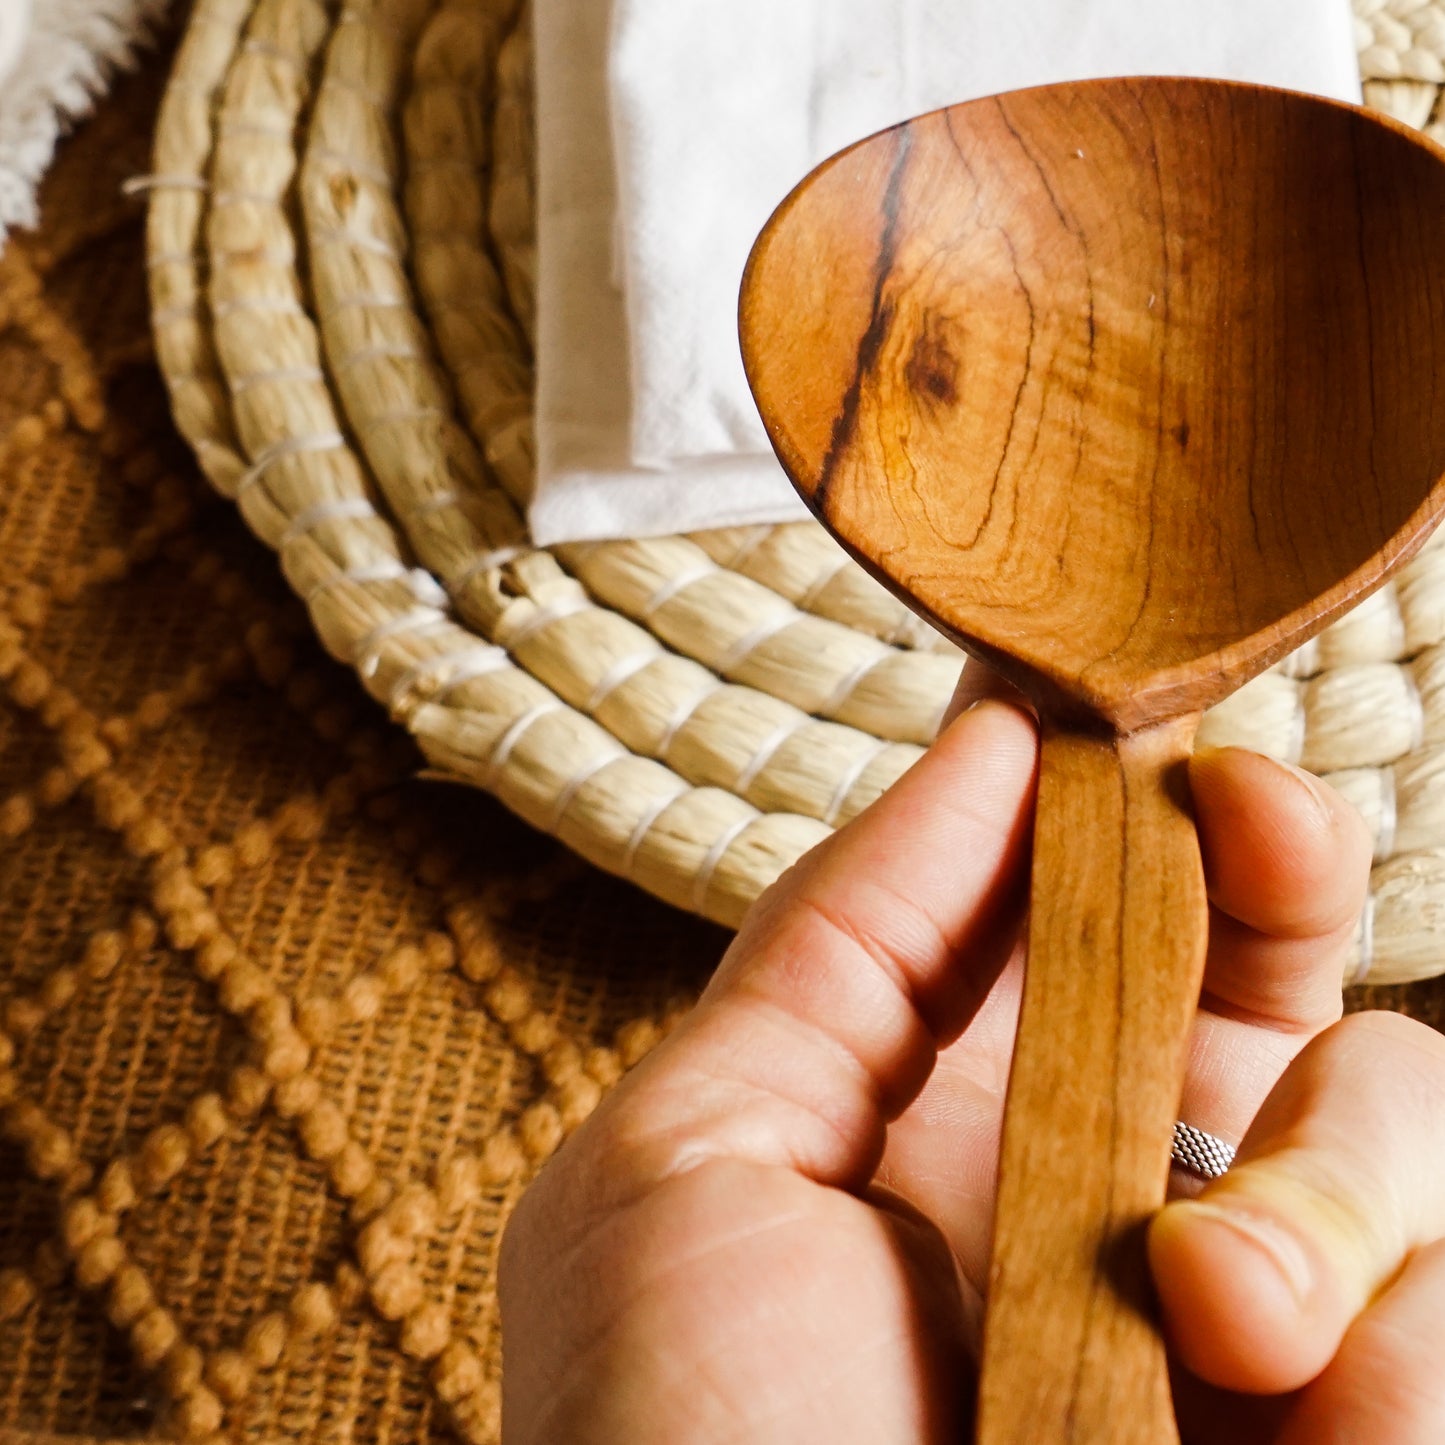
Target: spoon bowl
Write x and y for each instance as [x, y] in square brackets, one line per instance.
[1124, 383]
[1129, 386]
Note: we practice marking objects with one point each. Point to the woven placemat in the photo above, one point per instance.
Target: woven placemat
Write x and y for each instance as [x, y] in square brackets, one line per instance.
[349, 353]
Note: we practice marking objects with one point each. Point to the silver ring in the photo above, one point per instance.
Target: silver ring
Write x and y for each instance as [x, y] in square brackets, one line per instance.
[1200, 1153]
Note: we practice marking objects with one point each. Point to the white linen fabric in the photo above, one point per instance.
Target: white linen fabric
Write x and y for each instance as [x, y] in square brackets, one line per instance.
[667, 132]
[57, 58]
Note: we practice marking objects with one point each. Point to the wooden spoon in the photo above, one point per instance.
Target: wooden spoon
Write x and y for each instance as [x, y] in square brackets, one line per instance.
[1129, 387]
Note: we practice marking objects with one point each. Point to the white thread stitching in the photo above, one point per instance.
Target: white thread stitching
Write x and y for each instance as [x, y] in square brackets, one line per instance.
[1367, 942]
[574, 785]
[513, 735]
[744, 646]
[850, 778]
[513, 638]
[846, 687]
[673, 586]
[646, 823]
[764, 754]
[615, 676]
[1389, 814]
[366, 656]
[137, 185]
[288, 447]
[683, 714]
[276, 373]
[497, 557]
[335, 510]
[703, 882]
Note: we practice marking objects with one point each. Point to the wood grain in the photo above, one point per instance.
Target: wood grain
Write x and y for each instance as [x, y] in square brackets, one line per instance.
[1129, 387]
[1076, 369]
[1116, 955]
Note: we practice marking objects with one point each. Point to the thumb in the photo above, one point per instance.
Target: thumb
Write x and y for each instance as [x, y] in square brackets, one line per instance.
[1337, 1182]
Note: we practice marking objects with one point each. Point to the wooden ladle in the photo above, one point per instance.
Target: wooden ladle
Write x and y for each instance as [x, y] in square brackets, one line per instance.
[1130, 387]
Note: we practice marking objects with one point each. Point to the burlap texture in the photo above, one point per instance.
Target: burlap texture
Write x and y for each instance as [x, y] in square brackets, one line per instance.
[284, 1031]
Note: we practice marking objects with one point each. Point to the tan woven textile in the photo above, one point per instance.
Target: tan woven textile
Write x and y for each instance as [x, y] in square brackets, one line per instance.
[265, 1206]
[283, 1031]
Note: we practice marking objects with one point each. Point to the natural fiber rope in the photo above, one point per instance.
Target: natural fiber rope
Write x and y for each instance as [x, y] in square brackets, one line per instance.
[691, 712]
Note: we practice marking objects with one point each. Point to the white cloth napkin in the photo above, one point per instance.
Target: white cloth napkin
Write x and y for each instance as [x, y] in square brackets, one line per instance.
[667, 132]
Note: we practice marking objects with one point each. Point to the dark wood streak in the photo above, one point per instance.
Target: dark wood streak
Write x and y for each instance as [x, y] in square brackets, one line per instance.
[846, 423]
[1167, 540]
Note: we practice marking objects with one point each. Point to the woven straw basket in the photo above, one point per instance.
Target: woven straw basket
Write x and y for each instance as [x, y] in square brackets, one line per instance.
[341, 265]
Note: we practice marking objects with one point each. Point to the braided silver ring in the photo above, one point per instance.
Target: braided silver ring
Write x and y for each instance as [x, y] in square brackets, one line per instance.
[1200, 1153]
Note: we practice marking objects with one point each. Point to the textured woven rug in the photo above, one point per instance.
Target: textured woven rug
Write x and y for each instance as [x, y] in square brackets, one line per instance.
[284, 1032]
[270, 1209]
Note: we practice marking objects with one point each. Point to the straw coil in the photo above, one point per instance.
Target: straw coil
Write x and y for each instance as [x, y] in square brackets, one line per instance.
[342, 267]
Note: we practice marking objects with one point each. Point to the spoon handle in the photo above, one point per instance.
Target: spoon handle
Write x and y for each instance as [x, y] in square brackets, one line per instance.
[1118, 921]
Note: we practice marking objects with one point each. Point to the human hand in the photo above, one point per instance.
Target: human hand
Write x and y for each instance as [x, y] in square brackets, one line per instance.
[776, 1228]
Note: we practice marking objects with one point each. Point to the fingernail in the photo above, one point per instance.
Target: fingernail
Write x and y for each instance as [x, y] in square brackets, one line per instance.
[1317, 790]
[1282, 1249]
